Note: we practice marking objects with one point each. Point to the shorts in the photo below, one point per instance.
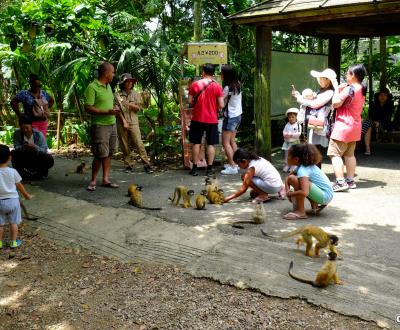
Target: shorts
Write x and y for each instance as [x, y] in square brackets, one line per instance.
[104, 140]
[366, 124]
[265, 187]
[339, 149]
[197, 130]
[287, 145]
[231, 124]
[10, 211]
[316, 194]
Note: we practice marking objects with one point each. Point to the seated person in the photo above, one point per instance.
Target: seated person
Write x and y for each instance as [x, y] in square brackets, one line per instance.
[30, 157]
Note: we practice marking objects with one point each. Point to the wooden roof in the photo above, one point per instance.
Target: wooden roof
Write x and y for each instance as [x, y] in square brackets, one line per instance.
[346, 18]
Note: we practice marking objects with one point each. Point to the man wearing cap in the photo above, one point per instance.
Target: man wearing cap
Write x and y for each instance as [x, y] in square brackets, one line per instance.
[130, 102]
[99, 102]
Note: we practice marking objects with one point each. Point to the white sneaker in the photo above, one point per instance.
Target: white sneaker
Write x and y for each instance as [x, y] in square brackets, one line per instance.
[286, 169]
[230, 170]
[235, 166]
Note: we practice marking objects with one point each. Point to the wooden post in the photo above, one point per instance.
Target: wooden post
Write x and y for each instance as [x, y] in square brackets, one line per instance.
[382, 64]
[262, 91]
[334, 55]
[370, 76]
[197, 13]
[58, 128]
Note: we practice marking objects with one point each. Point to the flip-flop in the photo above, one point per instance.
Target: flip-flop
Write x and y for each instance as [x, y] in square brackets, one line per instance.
[91, 187]
[110, 185]
[294, 216]
[316, 211]
[259, 199]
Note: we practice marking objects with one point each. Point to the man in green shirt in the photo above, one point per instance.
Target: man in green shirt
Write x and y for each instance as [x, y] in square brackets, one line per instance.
[99, 102]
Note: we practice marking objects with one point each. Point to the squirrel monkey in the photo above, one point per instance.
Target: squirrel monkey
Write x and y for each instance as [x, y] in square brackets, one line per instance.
[201, 200]
[211, 185]
[257, 218]
[134, 192]
[214, 197]
[80, 169]
[306, 234]
[326, 275]
[187, 199]
[184, 193]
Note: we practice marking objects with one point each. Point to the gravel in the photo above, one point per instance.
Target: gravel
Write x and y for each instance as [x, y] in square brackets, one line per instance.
[48, 286]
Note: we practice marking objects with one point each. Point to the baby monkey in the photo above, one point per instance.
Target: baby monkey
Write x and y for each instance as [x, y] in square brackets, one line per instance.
[184, 193]
[80, 169]
[134, 192]
[306, 234]
[257, 218]
[216, 196]
[326, 275]
[201, 200]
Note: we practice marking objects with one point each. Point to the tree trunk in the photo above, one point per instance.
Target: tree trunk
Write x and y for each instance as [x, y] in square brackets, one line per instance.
[198, 33]
[262, 91]
[370, 76]
[382, 66]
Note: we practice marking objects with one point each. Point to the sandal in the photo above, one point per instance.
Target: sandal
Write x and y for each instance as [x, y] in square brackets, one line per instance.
[91, 187]
[294, 216]
[316, 211]
[259, 199]
[110, 185]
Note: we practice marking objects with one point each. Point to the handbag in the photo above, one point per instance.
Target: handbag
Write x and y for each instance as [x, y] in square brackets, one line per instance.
[316, 124]
[40, 108]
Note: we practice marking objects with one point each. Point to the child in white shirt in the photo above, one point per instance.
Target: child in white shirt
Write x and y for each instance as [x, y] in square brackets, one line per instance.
[10, 208]
[291, 135]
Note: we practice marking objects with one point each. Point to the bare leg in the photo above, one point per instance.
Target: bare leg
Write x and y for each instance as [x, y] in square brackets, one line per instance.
[106, 169]
[226, 142]
[367, 140]
[195, 153]
[350, 166]
[257, 192]
[13, 231]
[210, 154]
[293, 181]
[96, 164]
[1, 232]
[338, 167]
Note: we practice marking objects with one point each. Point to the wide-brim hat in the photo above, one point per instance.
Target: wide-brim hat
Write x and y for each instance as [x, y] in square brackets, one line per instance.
[292, 110]
[327, 73]
[126, 76]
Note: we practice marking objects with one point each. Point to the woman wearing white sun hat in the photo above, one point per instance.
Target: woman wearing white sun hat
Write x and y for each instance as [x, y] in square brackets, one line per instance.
[320, 106]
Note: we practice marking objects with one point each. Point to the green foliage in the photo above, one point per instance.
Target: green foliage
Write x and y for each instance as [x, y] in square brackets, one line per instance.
[81, 130]
[6, 135]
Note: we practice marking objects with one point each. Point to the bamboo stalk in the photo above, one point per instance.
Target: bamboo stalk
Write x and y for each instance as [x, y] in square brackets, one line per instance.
[58, 128]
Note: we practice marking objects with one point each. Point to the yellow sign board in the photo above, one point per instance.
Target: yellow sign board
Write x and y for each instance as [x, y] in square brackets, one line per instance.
[201, 53]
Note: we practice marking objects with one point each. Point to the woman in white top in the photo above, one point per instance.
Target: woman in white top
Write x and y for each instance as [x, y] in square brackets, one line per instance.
[232, 115]
[261, 176]
[319, 106]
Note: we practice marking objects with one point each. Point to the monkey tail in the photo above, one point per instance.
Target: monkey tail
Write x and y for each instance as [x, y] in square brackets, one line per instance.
[150, 208]
[297, 278]
[26, 214]
[266, 234]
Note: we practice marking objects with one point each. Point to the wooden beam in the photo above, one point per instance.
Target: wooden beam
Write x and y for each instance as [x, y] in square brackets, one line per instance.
[334, 55]
[262, 91]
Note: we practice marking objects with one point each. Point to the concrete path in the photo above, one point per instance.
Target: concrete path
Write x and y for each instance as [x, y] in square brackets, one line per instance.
[365, 219]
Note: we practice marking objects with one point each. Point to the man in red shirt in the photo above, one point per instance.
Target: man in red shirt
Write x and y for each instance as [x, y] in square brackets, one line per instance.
[206, 97]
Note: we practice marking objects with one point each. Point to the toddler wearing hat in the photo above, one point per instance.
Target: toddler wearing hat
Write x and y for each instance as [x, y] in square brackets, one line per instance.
[291, 135]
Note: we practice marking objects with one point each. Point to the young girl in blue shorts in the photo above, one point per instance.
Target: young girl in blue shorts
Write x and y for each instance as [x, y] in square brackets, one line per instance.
[308, 182]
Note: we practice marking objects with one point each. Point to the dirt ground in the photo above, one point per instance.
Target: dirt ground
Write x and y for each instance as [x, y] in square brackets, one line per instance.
[47, 286]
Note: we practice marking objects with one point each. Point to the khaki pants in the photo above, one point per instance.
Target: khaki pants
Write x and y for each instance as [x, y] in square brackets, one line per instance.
[132, 132]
